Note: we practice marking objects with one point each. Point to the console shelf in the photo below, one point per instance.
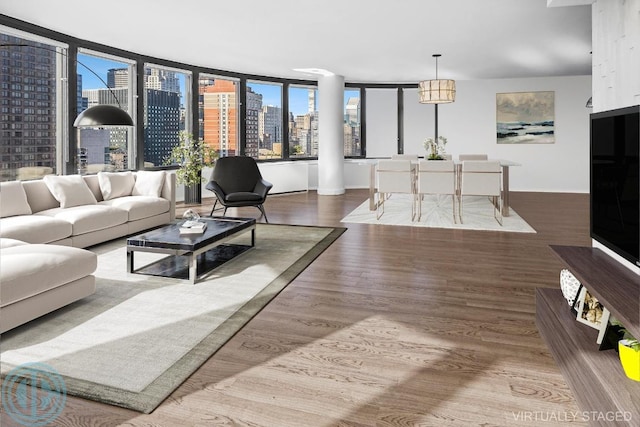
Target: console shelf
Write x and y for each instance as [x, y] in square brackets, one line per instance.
[595, 377]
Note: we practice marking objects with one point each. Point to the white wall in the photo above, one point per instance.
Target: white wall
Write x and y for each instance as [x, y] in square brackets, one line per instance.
[616, 54]
[470, 127]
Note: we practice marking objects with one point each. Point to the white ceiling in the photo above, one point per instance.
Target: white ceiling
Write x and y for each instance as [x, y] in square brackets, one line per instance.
[363, 40]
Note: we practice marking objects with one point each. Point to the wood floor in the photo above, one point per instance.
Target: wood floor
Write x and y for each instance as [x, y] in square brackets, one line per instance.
[391, 326]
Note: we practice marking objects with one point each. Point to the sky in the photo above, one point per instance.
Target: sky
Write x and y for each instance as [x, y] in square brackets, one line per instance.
[271, 93]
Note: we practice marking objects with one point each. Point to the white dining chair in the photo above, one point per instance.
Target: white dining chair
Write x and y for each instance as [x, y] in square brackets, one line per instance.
[463, 157]
[395, 176]
[412, 157]
[437, 177]
[481, 178]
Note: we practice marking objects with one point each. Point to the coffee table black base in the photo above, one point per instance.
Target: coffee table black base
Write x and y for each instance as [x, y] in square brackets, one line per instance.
[177, 266]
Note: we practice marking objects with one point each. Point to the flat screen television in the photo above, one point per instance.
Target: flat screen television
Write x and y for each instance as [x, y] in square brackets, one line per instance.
[615, 181]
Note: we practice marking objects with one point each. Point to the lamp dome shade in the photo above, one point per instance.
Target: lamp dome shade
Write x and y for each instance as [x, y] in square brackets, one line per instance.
[103, 115]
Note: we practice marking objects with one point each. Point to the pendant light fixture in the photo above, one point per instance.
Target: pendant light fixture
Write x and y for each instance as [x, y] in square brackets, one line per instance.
[437, 91]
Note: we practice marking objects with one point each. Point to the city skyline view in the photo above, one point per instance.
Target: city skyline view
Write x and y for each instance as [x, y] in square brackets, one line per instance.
[271, 93]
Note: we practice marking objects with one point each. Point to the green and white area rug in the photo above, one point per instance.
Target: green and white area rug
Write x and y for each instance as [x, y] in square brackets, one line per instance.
[139, 337]
[437, 212]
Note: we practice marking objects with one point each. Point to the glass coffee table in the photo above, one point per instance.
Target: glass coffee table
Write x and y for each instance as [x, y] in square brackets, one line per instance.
[191, 255]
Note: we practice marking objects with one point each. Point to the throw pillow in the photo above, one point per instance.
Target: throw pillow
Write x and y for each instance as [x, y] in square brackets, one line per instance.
[13, 199]
[70, 190]
[115, 184]
[148, 183]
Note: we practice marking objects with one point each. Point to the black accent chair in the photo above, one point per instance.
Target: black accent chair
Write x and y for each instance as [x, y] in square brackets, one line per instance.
[237, 181]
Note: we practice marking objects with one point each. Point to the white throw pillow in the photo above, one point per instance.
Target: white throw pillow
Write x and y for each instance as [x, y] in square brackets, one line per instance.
[70, 190]
[148, 183]
[13, 199]
[115, 184]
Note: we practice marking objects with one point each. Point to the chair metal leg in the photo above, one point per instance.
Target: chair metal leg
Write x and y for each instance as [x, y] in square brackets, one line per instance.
[214, 207]
[380, 204]
[264, 214]
[225, 211]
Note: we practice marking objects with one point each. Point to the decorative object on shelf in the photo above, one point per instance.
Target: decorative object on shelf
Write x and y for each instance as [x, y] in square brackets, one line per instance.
[569, 285]
[436, 92]
[629, 351]
[435, 148]
[192, 155]
[525, 118]
[589, 309]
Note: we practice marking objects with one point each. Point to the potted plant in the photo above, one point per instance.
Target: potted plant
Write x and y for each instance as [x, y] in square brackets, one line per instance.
[435, 147]
[629, 352]
[192, 156]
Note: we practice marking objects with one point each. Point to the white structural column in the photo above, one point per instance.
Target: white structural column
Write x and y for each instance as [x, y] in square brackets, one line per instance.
[331, 135]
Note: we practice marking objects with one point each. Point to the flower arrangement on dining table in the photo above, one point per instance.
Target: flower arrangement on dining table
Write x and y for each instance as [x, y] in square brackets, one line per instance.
[435, 147]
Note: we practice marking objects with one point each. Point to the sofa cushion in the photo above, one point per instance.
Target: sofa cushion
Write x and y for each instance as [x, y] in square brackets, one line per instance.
[70, 190]
[28, 270]
[9, 243]
[35, 228]
[85, 219]
[116, 184]
[139, 207]
[148, 183]
[13, 199]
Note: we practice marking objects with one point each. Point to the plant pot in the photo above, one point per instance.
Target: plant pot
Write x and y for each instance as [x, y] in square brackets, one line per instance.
[630, 360]
[193, 194]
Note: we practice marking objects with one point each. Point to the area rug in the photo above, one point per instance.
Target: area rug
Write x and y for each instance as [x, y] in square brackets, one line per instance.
[437, 212]
[139, 337]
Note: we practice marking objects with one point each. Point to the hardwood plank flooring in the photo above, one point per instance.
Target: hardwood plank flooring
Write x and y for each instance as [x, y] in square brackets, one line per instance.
[391, 326]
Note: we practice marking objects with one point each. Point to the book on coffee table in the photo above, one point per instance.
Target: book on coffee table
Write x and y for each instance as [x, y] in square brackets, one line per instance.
[193, 227]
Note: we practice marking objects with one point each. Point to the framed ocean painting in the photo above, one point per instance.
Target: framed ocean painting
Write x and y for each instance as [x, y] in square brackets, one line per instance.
[525, 118]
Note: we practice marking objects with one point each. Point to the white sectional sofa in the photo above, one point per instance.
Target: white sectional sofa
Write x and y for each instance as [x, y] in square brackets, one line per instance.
[44, 224]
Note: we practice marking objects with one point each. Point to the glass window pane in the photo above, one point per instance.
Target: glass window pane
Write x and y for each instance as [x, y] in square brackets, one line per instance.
[382, 123]
[166, 111]
[218, 115]
[264, 121]
[31, 88]
[352, 144]
[103, 81]
[303, 121]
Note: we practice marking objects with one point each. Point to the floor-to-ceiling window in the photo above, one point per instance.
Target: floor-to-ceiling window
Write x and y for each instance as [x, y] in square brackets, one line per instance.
[32, 105]
[303, 121]
[105, 80]
[264, 120]
[167, 101]
[218, 113]
[352, 123]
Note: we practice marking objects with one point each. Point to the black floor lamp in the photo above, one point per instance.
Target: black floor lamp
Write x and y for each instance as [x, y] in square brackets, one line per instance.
[98, 115]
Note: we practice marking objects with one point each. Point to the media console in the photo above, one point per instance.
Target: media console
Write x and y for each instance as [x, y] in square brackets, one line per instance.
[596, 377]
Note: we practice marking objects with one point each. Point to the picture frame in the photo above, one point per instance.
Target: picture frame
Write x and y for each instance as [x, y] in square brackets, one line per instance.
[576, 301]
[610, 334]
[589, 310]
[525, 117]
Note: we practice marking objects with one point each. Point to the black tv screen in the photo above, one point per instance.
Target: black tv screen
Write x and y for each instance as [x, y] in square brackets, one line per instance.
[615, 182]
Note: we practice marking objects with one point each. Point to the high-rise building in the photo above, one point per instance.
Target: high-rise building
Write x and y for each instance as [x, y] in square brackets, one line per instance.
[312, 101]
[252, 138]
[28, 121]
[118, 77]
[161, 124]
[270, 126]
[218, 103]
[159, 79]
[352, 112]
